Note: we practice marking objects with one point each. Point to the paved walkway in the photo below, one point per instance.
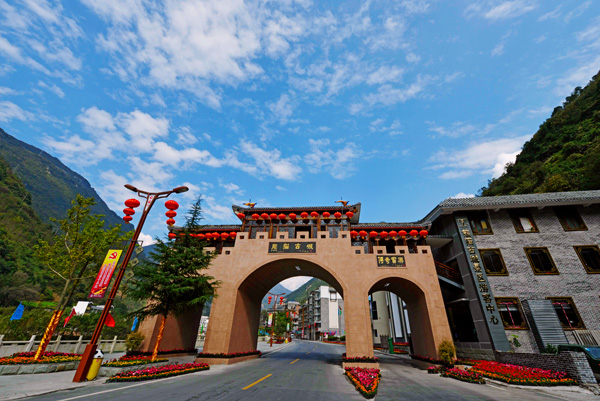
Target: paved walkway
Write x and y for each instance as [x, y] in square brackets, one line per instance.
[20, 386]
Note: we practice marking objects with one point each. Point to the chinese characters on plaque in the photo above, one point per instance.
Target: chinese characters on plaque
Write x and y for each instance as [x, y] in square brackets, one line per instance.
[391, 261]
[481, 283]
[292, 247]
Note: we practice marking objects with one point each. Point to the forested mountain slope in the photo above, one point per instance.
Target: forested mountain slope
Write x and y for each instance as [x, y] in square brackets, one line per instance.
[563, 155]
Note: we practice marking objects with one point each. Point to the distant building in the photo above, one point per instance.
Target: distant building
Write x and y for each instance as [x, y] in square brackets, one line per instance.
[388, 317]
[322, 314]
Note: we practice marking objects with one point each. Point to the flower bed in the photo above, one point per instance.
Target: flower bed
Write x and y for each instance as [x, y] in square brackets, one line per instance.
[365, 381]
[463, 375]
[47, 353]
[230, 355]
[28, 360]
[436, 369]
[514, 374]
[158, 372]
[400, 351]
[400, 344]
[427, 359]
[335, 342]
[127, 360]
[469, 362]
[359, 358]
[163, 352]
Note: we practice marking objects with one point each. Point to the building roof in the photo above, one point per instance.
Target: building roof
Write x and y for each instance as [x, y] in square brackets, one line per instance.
[515, 201]
[299, 209]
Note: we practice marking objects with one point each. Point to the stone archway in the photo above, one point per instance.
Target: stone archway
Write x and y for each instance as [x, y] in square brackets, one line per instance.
[428, 320]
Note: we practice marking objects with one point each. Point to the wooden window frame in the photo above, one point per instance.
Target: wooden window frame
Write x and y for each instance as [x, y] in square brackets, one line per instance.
[574, 307]
[514, 216]
[517, 302]
[504, 271]
[564, 225]
[535, 271]
[487, 220]
[578, 251]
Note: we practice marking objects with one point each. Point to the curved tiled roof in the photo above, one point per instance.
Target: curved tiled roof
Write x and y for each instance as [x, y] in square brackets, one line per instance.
[509, 200]
[355, 207]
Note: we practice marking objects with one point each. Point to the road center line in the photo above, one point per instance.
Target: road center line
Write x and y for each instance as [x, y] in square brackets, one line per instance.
[256, 382]
[295, 361]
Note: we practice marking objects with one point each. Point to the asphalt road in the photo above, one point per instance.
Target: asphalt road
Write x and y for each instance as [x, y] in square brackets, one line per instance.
[305, 371]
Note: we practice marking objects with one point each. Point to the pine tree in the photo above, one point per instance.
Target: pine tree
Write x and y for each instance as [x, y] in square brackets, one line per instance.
[172, 280]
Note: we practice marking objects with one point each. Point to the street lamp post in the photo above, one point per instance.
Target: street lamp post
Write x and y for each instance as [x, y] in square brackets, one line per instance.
[90, 349]
[276, 296]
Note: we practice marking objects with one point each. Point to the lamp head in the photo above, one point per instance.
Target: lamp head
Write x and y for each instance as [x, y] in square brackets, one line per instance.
[179, 190]
[131, 187]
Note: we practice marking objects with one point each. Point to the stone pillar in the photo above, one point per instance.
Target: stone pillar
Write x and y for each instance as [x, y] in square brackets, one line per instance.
[359, 337]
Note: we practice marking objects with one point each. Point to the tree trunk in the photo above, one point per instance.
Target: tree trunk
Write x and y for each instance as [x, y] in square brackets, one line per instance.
[159, 338]
[54, 320]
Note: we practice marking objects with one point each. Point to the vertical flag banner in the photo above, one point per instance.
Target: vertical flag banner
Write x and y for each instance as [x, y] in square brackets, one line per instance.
[18, 313]
[135, 323]
[270, 319]
[69, 317]
[105, 274]
[110, 321]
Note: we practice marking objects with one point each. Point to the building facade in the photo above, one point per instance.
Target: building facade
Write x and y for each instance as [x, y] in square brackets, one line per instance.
[322, 314]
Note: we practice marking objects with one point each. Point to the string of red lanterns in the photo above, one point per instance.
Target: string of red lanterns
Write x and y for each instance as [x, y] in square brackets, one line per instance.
[128, 211]
[293, 216]
[392, 234]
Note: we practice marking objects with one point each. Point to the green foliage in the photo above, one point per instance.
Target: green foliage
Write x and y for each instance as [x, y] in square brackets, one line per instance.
[332, 338]
[343, 338]
[515, 341]
[300, 294]
[564, 155]
[280, 324]
[134, 340]
[550, 349]
[446, 352]
[78, 249]
[172, 281]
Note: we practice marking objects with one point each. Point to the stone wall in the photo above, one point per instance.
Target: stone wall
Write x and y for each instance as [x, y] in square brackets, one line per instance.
[574, 363]
[473, 351]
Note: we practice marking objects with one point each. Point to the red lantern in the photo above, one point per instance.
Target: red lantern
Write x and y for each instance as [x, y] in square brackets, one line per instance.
[383, 234]
[132, 203]
[362, 233]
[349, 214]
[273, 216]
[216, 236]
[373, 234]
[353, 234]
[304, 215]
[127, 218]
[270, 297]
[402, 234]
[326, 215]
[171, 205]
[255, 216]
[413, 233]
[182, 234]
[241, 216]
[129, 211]
[224, 236]
[293, 216]
[281, 216]
[393, 234]
[337, 215]
[314, 214]
[233, 234]
[172, 235]
[264, 216]
[171, 213]
[200, 236]
[170, 222]
[208, 236]
[280, 300]
[423, 233]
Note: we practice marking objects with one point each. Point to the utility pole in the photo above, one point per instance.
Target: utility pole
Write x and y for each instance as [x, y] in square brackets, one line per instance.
[274, 313]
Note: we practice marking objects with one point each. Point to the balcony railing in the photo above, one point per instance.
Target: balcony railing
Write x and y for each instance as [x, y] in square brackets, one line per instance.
[448, 272]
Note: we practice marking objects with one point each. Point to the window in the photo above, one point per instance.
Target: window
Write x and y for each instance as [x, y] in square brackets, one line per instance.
[541, 261]
[511, 313]
[493, 262]
[567, 313]
[569, 218]
[523, 221]
[590, 257]
[480, 223]
[374, 310]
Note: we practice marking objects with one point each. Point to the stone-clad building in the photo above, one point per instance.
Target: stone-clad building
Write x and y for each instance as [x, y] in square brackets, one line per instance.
[534, 254]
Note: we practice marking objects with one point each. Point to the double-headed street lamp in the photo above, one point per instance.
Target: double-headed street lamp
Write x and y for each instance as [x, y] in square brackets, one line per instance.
[90, 349]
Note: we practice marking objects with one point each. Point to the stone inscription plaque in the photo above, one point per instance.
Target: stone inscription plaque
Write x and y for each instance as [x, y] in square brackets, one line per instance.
[292, 247]
[391, 261]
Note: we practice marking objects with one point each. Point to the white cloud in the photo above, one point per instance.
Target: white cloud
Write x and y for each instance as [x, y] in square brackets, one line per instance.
[143, 128]
[267, 162]
[551, 14]
[294, 283]
[10, 111]
[576, 12]
[463, 195]
[498, 50]
[578, 76]
[337, 163]
[462, 128]
[280, 188]
[232, 188]
[282, 109]
[488, 157]
[385, 74]
[7, 91]
[510, 9]
[52, 88]
[147, 239]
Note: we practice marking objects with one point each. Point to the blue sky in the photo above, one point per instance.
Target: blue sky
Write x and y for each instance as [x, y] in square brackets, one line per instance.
[395, 104]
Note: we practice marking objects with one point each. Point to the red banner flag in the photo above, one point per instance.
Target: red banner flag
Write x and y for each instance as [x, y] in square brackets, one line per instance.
[110, 321]
[105, 274]
[69, 317]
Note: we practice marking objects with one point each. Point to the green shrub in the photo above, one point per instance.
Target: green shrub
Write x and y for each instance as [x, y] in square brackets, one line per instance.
[550, 349]
[343, 338]
[446, 352]
[133, 341]
[332, 338]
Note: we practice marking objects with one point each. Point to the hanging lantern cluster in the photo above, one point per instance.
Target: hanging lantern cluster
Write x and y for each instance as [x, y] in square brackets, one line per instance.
[280, 300]
[294, 216]
[392, 234]
[171, 213]
[270, 298]
[131, 204]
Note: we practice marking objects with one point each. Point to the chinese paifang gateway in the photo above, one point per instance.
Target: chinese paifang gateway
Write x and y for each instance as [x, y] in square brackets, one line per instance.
[474, 270]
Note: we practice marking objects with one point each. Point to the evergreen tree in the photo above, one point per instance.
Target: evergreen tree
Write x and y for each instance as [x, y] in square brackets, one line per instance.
[172, 280]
